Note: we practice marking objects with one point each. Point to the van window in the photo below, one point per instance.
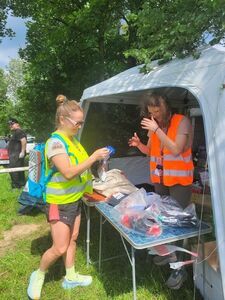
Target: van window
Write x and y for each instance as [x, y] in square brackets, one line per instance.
[112, 124]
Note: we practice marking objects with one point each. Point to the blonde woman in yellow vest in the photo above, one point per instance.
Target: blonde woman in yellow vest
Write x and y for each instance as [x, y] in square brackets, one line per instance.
[171, 165]
[63, 193]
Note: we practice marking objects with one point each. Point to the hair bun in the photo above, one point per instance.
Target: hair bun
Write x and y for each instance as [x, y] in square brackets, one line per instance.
[60, 99]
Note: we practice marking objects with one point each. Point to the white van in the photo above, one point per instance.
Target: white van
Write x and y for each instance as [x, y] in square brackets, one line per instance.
[195, 87]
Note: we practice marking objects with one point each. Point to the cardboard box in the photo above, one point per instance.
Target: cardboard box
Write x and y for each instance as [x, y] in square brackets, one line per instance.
[206, 274]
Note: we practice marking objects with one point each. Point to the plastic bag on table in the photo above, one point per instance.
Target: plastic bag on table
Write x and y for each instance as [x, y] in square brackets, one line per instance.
[170, 213]
[115, 182]
[138, 221]
[136, 201]
[151, 198]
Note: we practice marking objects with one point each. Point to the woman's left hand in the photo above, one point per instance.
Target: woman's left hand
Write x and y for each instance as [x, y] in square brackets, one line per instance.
[149, 124]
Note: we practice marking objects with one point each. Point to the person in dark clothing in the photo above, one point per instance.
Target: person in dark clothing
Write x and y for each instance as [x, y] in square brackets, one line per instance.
[17, 151]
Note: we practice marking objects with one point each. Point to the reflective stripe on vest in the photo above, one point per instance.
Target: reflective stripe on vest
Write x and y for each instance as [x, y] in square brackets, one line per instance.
[177, 173]
[59, 190]
[171, 157]
[58, 178]
[176, 169]
[74, 189]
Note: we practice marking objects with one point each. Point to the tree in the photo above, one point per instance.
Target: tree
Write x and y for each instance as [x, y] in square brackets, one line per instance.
[15, 78]
[3, 103]
[74, 44]
[85, 46]
[176, 27]
[4, 31]
[11, 80]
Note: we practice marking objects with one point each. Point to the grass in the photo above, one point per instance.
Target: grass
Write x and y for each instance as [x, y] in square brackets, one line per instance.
[113, 282]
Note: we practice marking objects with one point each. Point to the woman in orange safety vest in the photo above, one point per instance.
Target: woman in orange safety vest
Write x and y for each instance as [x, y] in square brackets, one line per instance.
[169, 148]
[171, 166]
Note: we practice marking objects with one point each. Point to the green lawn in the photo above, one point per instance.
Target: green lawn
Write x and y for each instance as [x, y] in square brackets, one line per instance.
[113, 282]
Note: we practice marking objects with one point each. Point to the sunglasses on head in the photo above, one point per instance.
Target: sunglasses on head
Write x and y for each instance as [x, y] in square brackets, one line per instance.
[75, 123]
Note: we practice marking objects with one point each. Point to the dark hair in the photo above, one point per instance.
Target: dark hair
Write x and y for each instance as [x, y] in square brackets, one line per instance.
[12, 121]
[65, 107]
[155, 99]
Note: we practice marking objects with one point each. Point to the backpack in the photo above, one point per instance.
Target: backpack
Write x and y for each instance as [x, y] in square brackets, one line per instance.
[33, 194]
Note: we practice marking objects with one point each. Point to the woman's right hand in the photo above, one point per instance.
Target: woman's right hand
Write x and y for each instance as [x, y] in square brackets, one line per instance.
[134, 141]
[100, 154]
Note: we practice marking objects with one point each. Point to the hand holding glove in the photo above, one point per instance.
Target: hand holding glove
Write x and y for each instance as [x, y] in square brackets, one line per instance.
[22, 154]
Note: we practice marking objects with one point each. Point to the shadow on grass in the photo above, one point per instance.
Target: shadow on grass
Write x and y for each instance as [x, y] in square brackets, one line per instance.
[29, 211]
[116, 274]
[38, 247]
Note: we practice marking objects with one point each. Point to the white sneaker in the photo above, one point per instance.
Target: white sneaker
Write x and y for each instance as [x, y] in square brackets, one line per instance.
[35, 286]
[80, 280]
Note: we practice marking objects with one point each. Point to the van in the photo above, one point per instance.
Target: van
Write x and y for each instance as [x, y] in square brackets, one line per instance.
[194, 87]
[4, 155]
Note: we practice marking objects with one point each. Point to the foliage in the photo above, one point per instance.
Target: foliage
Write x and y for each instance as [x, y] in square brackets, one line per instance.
[3, 86]
[3, 103]
[75, 44]
[4, 31]
[85, 46]
[14, 78]
[11, 80]
[177, 28]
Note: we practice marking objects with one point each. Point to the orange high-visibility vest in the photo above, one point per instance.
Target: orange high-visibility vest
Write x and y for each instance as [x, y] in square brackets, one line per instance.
[176, 169]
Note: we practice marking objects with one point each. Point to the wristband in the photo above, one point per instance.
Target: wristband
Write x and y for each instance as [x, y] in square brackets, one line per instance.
[156, 129]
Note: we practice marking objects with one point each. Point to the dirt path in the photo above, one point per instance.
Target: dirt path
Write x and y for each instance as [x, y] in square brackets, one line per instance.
[16, 233]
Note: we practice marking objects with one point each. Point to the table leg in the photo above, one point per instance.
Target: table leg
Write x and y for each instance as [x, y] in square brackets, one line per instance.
[100, 244]
[133, 273]
[203, 265]
[88, 236]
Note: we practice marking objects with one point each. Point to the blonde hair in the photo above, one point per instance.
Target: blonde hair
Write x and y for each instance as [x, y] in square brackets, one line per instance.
[60, 99]
[65, 107]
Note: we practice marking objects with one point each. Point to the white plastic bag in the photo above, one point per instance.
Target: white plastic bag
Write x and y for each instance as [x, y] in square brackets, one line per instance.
[136, 201]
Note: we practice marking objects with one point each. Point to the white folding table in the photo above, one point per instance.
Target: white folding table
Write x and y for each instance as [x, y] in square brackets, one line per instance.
[138, 240]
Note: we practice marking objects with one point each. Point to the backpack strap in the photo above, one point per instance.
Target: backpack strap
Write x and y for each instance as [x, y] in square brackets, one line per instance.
[56, 135]
[53, 169]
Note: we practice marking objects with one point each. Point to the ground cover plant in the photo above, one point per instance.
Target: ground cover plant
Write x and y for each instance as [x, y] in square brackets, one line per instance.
[22, 256]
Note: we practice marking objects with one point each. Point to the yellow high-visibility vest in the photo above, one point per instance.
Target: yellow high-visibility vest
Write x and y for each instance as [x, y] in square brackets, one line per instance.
[59, 190]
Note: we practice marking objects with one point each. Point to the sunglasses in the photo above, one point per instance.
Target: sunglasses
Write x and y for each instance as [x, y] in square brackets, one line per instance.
[75, 123]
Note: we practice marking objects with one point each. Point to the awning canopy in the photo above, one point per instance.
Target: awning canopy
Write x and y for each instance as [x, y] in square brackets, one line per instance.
[200, 81]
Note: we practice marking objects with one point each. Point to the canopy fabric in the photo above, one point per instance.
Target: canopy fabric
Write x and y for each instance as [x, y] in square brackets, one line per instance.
[204, 78]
